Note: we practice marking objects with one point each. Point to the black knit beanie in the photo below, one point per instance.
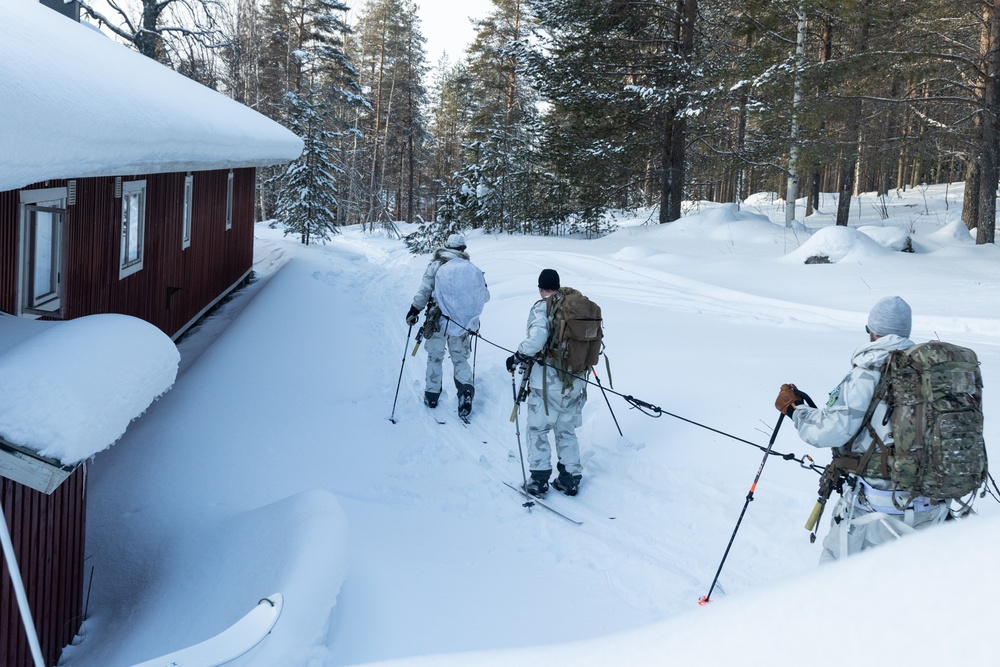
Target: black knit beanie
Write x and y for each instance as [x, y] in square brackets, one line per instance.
[548, 279]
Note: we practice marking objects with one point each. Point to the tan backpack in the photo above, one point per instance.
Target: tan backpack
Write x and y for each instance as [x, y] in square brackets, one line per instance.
[575, 332]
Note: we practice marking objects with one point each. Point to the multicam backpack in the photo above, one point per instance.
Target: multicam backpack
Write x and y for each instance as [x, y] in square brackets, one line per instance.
[934, 394]
[575, 332]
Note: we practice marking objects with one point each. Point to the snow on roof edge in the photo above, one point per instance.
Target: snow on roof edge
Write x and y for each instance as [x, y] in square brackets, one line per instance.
[70, 390]
[76, 104]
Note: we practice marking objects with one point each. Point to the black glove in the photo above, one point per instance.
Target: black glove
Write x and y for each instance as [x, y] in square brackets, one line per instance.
[412, 314]
[514, 360]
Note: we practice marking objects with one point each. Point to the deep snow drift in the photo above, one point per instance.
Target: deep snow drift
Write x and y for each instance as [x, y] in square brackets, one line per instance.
[271, 465]
[68, 390]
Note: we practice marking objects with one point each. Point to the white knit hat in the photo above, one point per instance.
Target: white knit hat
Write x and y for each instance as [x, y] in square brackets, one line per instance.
[890, 315]
[456, 241]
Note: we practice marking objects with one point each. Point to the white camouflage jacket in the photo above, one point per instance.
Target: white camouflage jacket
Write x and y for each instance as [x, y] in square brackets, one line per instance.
[441, 255]
[833, 424]
[536, 337]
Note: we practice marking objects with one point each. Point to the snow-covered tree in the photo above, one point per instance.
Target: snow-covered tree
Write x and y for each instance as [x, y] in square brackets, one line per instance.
[307, 197]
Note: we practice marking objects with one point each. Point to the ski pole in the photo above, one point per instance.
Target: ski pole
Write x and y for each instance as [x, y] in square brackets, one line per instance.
[753, 487]
[392, 417]
[605, 394]
[517, 430]
[475, 350]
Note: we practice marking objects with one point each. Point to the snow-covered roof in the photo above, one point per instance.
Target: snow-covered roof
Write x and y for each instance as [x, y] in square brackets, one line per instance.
[69, 389]
[76, 104]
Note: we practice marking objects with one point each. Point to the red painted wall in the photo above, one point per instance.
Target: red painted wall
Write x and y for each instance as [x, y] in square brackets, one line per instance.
[48, 533]
[216, 259]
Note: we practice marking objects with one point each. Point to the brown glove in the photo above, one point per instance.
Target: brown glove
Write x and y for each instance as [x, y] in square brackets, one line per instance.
[787, 399]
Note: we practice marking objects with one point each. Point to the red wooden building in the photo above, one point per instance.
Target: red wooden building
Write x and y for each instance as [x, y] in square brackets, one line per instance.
[124, 188]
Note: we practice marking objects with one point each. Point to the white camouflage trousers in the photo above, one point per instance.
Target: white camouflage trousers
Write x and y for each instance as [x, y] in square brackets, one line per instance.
[564, 417]
[854, 528]
[459, 348]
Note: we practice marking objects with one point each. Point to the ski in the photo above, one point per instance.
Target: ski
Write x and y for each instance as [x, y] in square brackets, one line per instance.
[434, 415]
[230, 643]
[533, 500]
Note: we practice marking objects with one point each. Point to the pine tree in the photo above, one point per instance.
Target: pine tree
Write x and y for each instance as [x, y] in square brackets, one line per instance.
[307, 82]
[391, 57]
[307, 200]
[620, 80]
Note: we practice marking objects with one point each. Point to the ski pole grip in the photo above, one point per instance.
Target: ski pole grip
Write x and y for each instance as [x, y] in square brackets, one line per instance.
[513, 414]
[415, 348]
[814, 516]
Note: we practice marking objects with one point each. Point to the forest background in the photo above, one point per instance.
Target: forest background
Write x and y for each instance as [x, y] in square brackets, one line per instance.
[560, 110]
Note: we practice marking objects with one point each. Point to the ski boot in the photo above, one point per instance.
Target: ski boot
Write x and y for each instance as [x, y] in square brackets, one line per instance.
[538, 485]
[465, 394]
[566, 483]
[431, 398]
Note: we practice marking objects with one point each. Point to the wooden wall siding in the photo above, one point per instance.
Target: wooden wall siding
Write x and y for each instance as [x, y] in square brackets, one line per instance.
[215, 260]
[8, 250]
[48, 536]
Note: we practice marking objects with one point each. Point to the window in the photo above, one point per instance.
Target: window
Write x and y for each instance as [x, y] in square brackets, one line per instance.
[43, 216]
[188, 204]
[229, 202]
[133, 227]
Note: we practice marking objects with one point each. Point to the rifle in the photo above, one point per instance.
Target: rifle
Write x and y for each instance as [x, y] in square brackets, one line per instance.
[831, 480]
[430, 326]
[524, 389]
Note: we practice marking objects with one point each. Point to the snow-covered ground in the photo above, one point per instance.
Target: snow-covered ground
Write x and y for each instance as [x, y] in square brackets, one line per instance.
[272, 466]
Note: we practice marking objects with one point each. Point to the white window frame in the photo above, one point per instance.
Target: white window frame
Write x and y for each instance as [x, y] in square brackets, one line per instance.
[52, 200]
[188, 210]
[133, 228]
[229, 201]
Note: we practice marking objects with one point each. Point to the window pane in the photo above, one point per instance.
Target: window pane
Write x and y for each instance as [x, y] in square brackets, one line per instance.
[43, 281]
[229, 202]
[188, 207]
[132, 203]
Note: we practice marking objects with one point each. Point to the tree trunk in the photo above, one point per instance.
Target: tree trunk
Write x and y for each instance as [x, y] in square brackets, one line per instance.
[793, 151]
[674, 140]
[845, 190]
[989, 126]
[970, 202]
[148, 40]
[672, 187]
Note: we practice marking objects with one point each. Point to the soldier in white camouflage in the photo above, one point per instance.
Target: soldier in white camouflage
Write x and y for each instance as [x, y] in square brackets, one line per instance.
[868, 512]
[555, 403]
[457, 294]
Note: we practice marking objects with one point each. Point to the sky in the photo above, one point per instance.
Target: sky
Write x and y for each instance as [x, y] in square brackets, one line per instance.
[446, 26]
[271, 465]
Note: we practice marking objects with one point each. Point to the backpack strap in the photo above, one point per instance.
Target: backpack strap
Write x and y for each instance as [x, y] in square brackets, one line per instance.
[862, 461]
[552, 304]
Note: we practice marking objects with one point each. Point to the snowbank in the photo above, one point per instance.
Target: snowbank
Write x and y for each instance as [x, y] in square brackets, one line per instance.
[209, 577]
[838, 244]
[70, 391]
[857, 606]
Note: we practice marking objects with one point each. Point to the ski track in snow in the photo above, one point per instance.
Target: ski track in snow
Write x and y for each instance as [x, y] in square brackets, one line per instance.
[656, 569]
[638, 561]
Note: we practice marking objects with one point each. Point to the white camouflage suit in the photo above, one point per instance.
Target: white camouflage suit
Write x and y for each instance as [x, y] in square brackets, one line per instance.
[866, 515]
[565, 406]
[461, 299]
